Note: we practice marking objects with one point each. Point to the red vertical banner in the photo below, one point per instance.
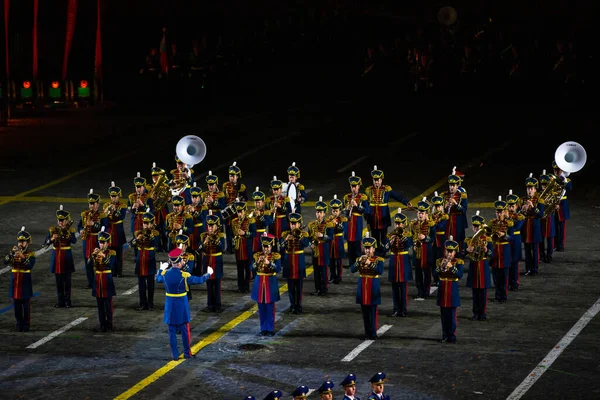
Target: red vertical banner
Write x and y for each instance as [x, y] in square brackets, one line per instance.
[98, 58]
[71, 18]
[6, 13]
[35, 47]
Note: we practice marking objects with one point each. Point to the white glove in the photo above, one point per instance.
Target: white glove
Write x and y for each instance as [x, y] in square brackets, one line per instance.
[164, 265]
[209, 270]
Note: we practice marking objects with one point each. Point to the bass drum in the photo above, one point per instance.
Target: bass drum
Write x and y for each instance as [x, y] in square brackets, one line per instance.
[293, 195]
[228, 211]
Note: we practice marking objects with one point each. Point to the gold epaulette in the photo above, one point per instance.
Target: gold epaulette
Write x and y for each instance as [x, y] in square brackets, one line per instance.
[430, 222]
[439, 261]
[220, 194]
[112, 253]
[187, 214]
[103, 215]
[463, 195]
[510, 222]
[445, 216]
[251, 220]
[459, 261]
[242, 187]
[276, 256]
[378, 259]
[330, 224]
[185, 275]
[221, 235]
[387, 188]
[300, 186]
[344, 219]
[155, 232]
[190, 256]
[363, 197]
[520, 217]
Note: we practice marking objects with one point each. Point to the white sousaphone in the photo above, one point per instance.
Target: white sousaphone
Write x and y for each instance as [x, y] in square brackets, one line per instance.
[191, 150]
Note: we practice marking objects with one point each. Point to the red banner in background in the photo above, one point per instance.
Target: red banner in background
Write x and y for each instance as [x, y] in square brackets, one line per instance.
[71, 18]
[35, 49]
[98, 58]
[6, 13]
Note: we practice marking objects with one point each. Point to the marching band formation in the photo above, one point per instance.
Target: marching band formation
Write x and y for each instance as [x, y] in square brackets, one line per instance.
[271, 238]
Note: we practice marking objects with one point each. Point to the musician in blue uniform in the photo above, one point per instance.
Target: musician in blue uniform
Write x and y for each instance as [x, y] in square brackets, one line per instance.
[368, 292]
[349, 385]
[21, 260]
[265, 291]
[189, 257]
[531, 233]
[378, 218]
[338, 251]
[214, 199]
[103, 260]
[440, 220]
[212, 244]
[293, 175]
[516, 246]
[161, 197]
[423, 233]
[479, 250]
[502, 228]
[198, 211]
[456, 205]
[293, 244]
[326, 390]
[398, 242]
[61, 237]
[377, 386]
[178, 220]
[137, 203]
[300, 393]
[280, 209]
[177, 309]
[243, 229]
[115, 211]
[262, 219]
[548, 225]
[450, 269]
[357, 208]
[234, 191]
[90, 223]
[146, 241]
[563, 213]
[321, 234]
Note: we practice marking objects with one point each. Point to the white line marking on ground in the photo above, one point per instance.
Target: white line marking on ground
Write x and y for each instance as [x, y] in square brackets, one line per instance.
[56, 333]
[545, 364]
[310, 392]
[130, 291]
[352, 355]
[353, 163]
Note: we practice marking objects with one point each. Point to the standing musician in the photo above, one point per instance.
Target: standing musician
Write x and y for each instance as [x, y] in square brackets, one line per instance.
[115, 211]
[244, 230]
[440, 220]
[198, 211]
[563, 213]
[293, 242]
[181, 178]
[338, 252]
[548, 225]
[178, 220]
[146, 241]
[423, 234]
[516, 245]
[189, 257]
[479, 250]
[61, 237]
[21, 260]
[378, 217]
[501, 228]
[160, 194]
[456, 204]
[212, 244]
[177, 308]
[321, 233]
[280, 209]
[103, 259]
[265, 290]
[90, 223]
[262, 219]
[368, 293]
[398, 242]
[233, 189]
[137, 203]
[532, 229]
[450, 269]
[214, 199]
[293, 176]
[357, 207]
[180, 167]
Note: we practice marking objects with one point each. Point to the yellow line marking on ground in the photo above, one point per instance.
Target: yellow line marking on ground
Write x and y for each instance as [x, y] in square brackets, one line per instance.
[210, 339]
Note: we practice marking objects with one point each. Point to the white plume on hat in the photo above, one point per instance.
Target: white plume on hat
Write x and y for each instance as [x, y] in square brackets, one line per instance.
[477, 213]
[499, 198]
[139, 175]
[257, 190]
[353, 173]
[102, 229]
[22, 228]
[60, 207]
[509, 191]
[153, 165]
[335, 196]
[91, 191]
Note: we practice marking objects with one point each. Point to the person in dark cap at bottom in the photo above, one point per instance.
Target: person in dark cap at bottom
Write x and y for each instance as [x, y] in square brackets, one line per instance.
[250, 397]
[300, 393]
[377, 386]
[177, 309]
[326, 390]
[368, 292]
[349, 384]
[274, 395]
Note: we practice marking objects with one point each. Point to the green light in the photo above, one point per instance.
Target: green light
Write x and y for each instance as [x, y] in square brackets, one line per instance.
[26, 93]
[54, 93]
[83, 92]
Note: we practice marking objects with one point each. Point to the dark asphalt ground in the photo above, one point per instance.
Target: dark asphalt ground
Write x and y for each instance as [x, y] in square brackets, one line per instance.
[416, 144]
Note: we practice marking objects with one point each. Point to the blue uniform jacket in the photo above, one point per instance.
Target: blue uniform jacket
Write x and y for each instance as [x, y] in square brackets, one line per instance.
[368, 290]
[177, 309]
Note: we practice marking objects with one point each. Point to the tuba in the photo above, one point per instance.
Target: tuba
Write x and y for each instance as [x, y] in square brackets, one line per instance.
[479, 247]
[160, 193]
[552, 194]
